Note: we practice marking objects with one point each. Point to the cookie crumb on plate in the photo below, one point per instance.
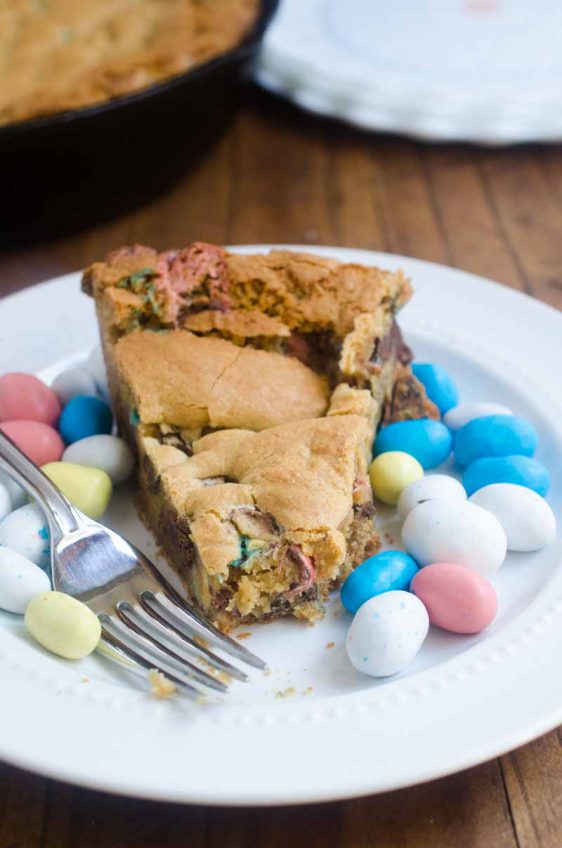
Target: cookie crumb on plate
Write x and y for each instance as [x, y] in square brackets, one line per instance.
[160, 686]
[286, 693]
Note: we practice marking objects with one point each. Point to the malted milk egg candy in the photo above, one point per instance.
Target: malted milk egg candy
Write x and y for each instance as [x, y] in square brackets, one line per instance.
[74, 381]
[20, 581]
[384, 572]
[109, 453]
[36, 440]
[456, 598]
[96, 367]
[495, 435]
[438, 383]
[26, 531]
[465, 412]
[391, 472]
[521, 470]
[430, 487]
[87, 488]
[85, 416]
[526, 518]
[63, 625]
[25, 397]
[428, 441]
[17, 495]
[455, 531]
[387, 633]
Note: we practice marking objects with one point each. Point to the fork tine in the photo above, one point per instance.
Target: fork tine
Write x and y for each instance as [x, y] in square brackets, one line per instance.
[122, 654]
[162, 619]
[126, 613]
[186, 613]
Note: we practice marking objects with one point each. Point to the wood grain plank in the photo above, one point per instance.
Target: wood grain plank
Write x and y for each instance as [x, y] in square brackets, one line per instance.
[23, 804]
[469, 223]
[467, 810]
[318, 826]
[280, 181]
[531, 217]
[533, 778]
[549, 161]
[413, 227]
[81, 818]
[355, 193]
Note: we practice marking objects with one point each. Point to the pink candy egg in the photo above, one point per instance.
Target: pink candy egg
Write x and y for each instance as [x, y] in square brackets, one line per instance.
[457, 598]
[24, 397]
[37, 440]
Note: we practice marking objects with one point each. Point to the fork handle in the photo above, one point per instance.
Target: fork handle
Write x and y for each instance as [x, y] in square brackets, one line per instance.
[58, 509]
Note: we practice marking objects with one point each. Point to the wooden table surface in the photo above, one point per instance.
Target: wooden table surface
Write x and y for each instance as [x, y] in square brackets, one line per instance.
[282, 176]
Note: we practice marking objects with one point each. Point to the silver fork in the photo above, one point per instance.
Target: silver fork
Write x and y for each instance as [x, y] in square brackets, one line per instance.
[145, 623]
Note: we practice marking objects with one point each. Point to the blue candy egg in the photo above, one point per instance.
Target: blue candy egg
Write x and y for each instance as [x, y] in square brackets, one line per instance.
[438, 384]
[494, 435]
[84, 416]
[383, 572]
[429, 441]
[521, 470]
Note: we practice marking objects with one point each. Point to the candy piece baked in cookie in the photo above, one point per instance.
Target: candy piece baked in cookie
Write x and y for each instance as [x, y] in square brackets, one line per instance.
[338, 319]
[251, 388]
[263, 524]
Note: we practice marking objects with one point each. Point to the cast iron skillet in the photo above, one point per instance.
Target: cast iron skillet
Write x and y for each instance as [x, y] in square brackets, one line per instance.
[64, 171]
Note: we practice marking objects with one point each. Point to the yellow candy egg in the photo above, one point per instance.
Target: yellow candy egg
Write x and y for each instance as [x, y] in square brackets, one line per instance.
[391, 472]
[63, 625]
[89, 489]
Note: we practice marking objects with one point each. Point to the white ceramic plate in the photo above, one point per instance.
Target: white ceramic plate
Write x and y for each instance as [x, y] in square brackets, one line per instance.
[340, 734]
[466, 70]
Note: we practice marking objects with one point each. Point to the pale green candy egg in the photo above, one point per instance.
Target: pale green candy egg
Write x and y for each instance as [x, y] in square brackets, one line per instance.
[87, 488]
[391, 472]
[63, 625]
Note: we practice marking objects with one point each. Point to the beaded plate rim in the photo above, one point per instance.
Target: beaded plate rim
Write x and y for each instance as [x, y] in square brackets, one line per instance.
[60, 686]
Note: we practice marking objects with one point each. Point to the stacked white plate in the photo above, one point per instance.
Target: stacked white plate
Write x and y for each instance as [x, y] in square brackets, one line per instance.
[488, 71]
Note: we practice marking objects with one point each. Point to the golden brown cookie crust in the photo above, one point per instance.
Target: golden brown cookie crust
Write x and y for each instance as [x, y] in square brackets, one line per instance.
[195, 382]
[291, 486]
[64, 54]
[236, 323]
[300, 291]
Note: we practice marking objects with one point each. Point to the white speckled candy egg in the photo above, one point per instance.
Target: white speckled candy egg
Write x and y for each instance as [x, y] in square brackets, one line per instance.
[26, 531]
[20, 581]
[17, 494]
[428, 489]
[387, 633]
[526, 518]
[109, 453]
[455, 531]
[5, 502]
[75, 381]
[96, 367]
[465, 412]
